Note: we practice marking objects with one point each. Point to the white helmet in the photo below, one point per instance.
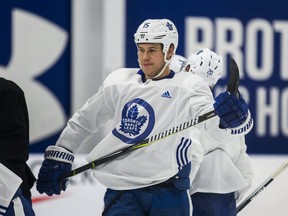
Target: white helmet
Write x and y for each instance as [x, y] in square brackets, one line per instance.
[206, 64]
[157, 31]
[178, 63]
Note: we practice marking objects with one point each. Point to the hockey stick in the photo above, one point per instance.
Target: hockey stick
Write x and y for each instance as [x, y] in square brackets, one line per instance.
[139, 145]
[234, 77]
[260, 188]
[232, 87]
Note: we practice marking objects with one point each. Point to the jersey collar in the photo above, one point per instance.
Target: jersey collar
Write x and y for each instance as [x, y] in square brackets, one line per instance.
[169, 76]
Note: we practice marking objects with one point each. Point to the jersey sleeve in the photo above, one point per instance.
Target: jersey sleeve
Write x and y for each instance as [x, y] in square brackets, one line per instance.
[201, 102]
[87, 120]
[9, 183]
[14, 124]
[244, 164]
[95, 112]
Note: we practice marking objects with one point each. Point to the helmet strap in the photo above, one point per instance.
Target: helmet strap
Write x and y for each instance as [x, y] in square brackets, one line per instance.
[167, 62]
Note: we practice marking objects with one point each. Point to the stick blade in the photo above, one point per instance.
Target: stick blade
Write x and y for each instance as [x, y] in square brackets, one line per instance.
[233, 81]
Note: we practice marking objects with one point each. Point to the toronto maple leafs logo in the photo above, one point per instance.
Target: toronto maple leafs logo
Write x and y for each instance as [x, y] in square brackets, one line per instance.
[137, 121]
[170, 26]
[132, 124]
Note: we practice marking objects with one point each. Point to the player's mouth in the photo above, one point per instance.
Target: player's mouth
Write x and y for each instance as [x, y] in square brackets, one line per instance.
[146, 65]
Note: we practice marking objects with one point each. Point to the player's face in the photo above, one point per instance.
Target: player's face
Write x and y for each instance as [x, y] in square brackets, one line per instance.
[151, 58]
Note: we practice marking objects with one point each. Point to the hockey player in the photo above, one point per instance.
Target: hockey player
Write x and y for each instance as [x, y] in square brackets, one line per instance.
[14, 134]
[178, 63]
[153, 180]
[12, 201]
[226, 171]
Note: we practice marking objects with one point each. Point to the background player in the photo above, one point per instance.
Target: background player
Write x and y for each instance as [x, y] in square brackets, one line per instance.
[226, 171]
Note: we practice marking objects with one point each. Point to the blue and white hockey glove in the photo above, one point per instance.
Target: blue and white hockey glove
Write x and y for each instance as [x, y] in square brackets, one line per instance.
[231, 110]
[57, 161]
[244, 128]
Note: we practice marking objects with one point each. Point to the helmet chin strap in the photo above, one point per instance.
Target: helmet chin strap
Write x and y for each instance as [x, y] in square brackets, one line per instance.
[163, 69]
[167, 62]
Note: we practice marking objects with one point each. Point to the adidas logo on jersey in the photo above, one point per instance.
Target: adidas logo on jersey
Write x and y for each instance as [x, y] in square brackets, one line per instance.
[166, 95]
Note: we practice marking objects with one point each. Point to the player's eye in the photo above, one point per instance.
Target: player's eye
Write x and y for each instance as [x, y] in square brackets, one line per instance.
[140, 50]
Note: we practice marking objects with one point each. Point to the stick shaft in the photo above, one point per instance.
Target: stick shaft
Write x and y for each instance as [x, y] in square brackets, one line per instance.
[260, 188]
[142, 144]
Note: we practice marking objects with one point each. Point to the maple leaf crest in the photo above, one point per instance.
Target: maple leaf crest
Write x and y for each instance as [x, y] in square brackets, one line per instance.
[131, 124]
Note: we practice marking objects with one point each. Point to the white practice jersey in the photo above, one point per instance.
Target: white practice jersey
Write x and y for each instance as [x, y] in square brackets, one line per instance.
[226, 166]
[9, 184]
[140, 110]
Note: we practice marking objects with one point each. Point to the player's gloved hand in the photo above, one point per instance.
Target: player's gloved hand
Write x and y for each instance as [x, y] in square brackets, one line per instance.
[231, 110]
[57, 161]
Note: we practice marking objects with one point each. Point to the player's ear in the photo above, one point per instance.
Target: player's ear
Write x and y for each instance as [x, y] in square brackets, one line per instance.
[170, 51]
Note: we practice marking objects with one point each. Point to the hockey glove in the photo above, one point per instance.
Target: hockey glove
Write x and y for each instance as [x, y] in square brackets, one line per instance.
[57, 161]
[231, 110]
[244, 128]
